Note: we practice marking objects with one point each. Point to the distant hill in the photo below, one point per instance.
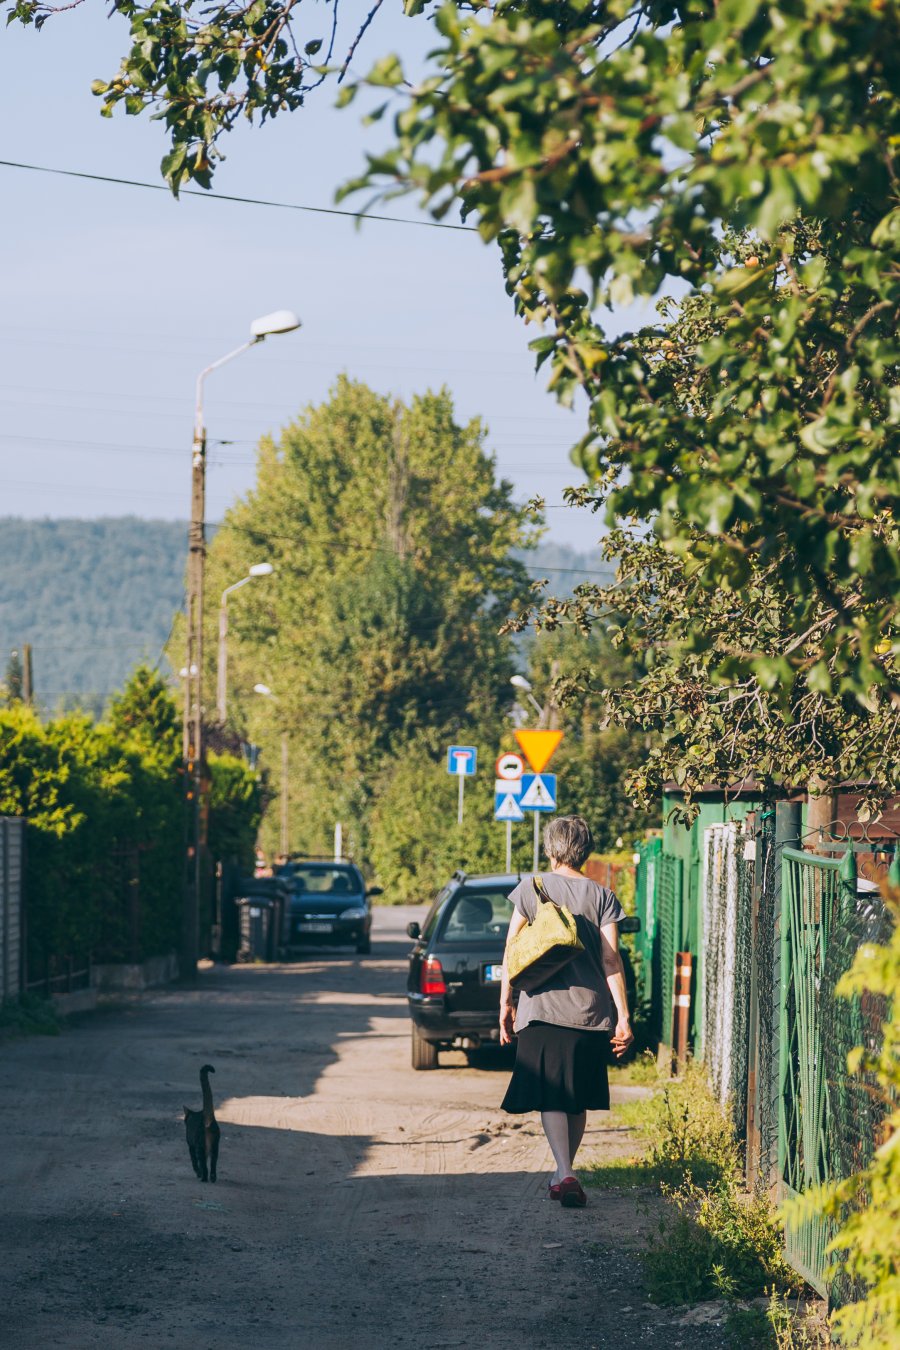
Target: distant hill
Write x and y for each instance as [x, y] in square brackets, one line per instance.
[95, 597]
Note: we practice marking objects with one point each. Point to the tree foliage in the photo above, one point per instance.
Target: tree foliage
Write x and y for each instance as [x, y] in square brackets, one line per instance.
[742, 156]
[720, 678]
[392, 542]
[106, 823]
[777, 724]
[604, 148]
[598, 754]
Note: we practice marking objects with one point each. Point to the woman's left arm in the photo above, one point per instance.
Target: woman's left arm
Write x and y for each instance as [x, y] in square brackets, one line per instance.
[615, 978]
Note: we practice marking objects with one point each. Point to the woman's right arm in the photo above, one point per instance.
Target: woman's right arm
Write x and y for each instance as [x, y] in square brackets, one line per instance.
[507, 1007]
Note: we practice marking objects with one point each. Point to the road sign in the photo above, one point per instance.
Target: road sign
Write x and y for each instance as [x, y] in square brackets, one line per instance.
[510, 767]
[538, 792]
[506, 807]
[539, 747]
[462, 759]
[513, 785]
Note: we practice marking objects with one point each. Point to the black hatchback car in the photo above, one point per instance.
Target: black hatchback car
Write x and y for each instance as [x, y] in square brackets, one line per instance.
[328, 905]
[453, 988]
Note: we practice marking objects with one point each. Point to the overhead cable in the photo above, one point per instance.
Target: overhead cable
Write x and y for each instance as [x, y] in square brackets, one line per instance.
[231, 197]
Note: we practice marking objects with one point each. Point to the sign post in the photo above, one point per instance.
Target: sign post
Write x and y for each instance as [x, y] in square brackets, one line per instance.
[539, 796]
[507, 788]
[462, 761]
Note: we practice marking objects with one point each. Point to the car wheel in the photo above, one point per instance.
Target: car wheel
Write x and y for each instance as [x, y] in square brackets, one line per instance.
[424, 1053]
[364, 946]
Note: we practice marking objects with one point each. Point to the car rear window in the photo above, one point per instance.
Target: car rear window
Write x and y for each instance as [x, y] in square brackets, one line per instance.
[477, 914]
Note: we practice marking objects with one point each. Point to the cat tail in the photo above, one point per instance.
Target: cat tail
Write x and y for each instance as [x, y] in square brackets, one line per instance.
[207, 1092]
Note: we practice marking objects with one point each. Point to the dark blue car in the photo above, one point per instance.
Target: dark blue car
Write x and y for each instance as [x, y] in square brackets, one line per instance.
[328, 905]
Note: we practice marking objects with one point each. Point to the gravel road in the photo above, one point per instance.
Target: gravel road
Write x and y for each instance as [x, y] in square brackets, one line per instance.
[359, 1204]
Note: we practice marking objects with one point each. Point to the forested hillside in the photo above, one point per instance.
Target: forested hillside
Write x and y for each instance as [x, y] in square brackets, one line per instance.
[95, 597]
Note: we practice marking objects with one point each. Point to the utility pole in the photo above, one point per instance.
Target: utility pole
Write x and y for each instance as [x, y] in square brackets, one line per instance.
[285, 837]
[551, 710]
[193, 692]
[282, 321]
[27, 674]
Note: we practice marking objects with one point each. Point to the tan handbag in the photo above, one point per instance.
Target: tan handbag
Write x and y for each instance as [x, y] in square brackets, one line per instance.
[544, 946]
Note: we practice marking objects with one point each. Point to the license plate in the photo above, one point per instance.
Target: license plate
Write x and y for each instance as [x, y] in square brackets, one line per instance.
[493, 974]
[315, 927]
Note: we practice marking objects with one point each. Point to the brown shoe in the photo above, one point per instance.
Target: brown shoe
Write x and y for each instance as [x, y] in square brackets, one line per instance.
[571, 1196]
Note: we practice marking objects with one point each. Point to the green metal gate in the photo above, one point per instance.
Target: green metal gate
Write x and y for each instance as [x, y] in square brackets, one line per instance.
[645, 904]
[669, 927]
[810, 900]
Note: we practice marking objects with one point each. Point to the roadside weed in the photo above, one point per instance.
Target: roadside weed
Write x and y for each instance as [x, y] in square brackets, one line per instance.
[718, 1243]
[642, 1071]
[683, 1131]
[29, 1016]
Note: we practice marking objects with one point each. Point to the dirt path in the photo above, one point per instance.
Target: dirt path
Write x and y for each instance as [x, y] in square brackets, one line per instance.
[359, 1203]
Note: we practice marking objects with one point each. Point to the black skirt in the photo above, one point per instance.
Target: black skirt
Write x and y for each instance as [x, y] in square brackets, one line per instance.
[559, 1069]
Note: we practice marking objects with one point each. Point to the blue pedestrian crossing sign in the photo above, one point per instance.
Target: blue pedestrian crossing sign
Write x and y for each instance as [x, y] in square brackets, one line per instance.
[461, 760]
[506, 805]
[538, 792]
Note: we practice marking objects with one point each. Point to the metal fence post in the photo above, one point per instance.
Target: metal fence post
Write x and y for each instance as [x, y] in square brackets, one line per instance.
[762, 832]
[788, 828]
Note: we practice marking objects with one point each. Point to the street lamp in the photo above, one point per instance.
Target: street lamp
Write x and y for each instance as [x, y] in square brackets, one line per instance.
[520, 682]
[263, 569]
[282, 321]
[284, 842]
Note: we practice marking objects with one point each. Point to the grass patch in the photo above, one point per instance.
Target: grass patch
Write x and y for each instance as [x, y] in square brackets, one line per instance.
[777, 1326]
[642, 1071]
[716, 1242]
[683, 1133]
[30, 1016]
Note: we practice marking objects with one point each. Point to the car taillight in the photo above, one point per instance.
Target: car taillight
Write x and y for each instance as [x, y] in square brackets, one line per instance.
[433, 981]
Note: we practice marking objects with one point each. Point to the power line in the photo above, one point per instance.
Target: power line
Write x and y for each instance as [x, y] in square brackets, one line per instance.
[228, 197]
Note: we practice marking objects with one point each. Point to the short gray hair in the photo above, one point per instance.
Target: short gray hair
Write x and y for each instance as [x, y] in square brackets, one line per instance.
[568, 840]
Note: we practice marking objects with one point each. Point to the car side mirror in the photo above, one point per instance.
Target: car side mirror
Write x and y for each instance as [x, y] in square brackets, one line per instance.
[413, 930]
[375, 890]
[630, 924]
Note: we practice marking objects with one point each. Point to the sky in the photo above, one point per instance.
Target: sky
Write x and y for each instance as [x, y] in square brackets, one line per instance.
[112, 298]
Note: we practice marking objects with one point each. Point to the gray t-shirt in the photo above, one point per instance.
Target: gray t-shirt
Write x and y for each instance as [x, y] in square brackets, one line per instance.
[578, 995]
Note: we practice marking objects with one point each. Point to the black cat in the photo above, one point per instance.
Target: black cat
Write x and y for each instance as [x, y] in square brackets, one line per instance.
[202, 1130]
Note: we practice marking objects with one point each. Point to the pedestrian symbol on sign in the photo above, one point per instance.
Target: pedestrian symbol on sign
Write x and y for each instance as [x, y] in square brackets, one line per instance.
[506, 807]
[538, 792]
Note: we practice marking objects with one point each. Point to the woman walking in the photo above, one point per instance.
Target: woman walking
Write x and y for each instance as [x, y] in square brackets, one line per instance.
[565, 1027]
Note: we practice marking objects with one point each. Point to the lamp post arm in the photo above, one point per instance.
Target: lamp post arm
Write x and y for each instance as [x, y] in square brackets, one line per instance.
[222, 662]
[236, 586]
[535, 704]
[198, 404]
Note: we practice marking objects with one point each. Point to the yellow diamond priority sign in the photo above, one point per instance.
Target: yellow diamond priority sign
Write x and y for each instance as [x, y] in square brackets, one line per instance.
[538, 747]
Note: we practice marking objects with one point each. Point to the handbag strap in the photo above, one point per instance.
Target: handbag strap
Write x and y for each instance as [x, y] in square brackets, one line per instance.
[541, 893]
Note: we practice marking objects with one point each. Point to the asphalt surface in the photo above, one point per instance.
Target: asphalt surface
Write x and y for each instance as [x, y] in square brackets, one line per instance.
[359, 1204]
